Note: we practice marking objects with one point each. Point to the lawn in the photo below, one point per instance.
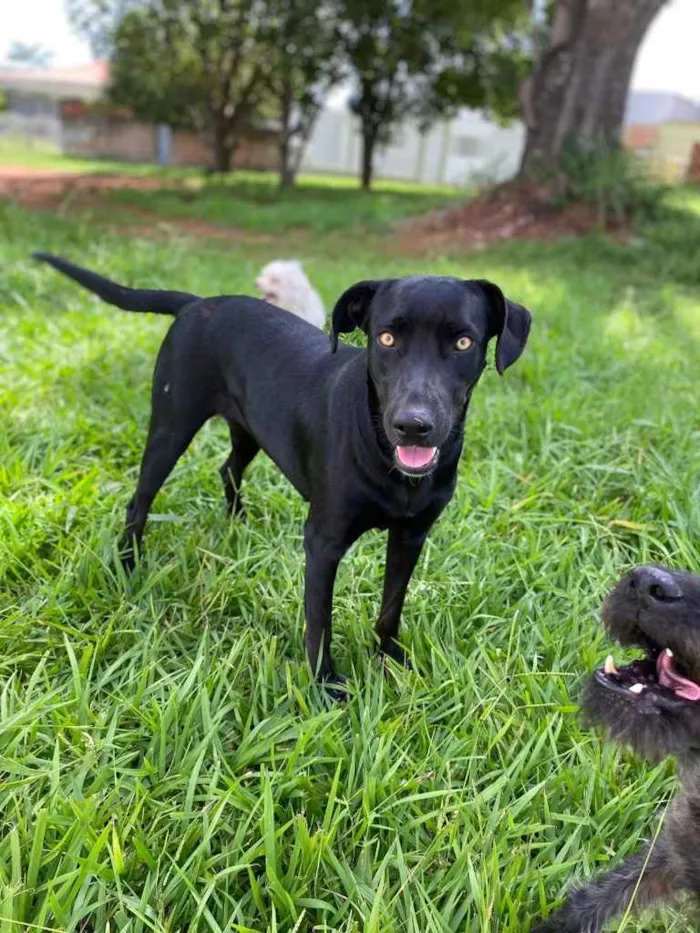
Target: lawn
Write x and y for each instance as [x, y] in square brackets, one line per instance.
[167, 763]
[248, 200]
[253, 202]
[45, 155]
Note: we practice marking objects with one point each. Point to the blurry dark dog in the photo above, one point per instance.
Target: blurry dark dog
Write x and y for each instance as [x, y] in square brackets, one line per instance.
[370, 438]
[652, 705]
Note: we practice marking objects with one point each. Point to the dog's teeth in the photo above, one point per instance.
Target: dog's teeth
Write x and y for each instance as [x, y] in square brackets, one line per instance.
[610, 665]
[637, 688]
[669, 652]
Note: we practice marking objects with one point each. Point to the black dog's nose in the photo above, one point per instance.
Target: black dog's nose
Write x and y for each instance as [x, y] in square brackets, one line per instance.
[656, 584]
[413, 424]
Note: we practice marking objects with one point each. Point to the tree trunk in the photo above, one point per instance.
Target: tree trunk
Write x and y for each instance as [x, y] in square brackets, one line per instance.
[369, 141]
[223, 148]
[286, 169]
[307, 121]
[288, 176]
[578, 89]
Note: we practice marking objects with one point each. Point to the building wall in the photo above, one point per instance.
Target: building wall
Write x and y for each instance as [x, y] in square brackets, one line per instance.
[126, 140]
[106, 138]
[31, 105]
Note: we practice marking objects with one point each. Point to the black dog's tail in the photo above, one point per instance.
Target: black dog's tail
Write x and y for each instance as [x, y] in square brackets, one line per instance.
[128, 299]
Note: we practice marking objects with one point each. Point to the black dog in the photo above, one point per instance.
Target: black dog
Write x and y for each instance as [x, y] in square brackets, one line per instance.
[653, 705]
[370, 439]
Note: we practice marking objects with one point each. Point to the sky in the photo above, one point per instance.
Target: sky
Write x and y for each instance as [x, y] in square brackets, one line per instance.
[667, 60]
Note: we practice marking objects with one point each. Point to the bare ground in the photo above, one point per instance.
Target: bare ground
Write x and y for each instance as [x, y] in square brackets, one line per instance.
[53, 190]
[515, 210]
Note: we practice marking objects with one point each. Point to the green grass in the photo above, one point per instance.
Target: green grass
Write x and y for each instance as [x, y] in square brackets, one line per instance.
[166, 762]
[249, 200]
[42, 154]
[321, 205]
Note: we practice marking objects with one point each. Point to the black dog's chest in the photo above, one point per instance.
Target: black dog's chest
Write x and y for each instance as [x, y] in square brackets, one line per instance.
[405, 501]
[408, 500]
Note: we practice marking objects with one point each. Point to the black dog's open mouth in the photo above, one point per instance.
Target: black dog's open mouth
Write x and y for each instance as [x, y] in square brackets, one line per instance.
[657, 673]
[416, 461]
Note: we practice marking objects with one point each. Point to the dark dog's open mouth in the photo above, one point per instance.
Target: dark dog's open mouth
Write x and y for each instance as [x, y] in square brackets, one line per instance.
[416, 461]
[658, 673]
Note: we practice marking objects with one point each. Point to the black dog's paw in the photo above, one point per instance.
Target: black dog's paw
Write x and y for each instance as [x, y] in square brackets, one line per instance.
[336, 687]
[390, 649]
[128, 560]
[236, 510]
[129, 551]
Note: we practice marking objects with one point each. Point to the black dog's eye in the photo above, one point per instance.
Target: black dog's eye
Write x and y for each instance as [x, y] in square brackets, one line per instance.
[463, 342]
[387, 339]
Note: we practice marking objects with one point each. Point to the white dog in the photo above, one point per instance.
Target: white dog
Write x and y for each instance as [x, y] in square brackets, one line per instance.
[284, 283]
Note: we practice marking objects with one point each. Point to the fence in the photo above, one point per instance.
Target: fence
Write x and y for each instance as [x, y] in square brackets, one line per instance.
[462, 151]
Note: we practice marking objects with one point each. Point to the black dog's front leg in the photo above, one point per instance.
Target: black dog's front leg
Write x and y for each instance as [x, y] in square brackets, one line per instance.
[640, 880]
[322, 559]
[403, 550]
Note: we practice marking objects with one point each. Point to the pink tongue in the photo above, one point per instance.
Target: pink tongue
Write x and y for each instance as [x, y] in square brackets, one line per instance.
[417, 457]
[669, 677]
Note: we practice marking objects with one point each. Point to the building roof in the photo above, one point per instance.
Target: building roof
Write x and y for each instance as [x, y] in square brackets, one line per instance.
[79, 82]
[654, 107]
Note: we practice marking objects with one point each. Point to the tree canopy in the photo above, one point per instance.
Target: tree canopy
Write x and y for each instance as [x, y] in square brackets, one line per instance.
[424, 58]
[215, 64]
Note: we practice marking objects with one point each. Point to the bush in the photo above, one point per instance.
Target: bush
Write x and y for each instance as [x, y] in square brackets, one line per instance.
[612, 180]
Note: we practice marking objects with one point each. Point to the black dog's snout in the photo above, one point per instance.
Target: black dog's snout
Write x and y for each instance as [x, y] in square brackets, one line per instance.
[656, 585]
[413, 424]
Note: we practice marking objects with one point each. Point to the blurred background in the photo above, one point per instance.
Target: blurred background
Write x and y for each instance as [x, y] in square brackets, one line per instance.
[442, 92]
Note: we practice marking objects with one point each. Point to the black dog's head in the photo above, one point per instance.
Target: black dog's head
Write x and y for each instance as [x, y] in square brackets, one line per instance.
[653, 704]
[427, 339]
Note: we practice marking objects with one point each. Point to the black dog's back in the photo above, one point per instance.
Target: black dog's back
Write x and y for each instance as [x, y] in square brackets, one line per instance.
[255, 364]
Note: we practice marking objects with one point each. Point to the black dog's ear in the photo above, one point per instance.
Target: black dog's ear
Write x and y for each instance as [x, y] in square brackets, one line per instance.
[351, 309]
[511, 326]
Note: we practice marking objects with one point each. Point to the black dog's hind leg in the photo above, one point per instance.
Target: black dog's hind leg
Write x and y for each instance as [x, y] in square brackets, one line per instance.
[180, 404]
[403, 550]
[243, 450]
[322, 559]
[640, 880]
[166, 444]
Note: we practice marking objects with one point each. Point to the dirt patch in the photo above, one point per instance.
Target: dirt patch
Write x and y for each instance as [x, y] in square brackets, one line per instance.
[43, 190]
[32, 187]
[514, 210]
